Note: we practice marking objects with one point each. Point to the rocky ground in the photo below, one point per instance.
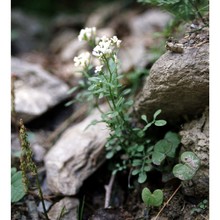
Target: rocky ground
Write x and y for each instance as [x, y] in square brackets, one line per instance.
[71, 161]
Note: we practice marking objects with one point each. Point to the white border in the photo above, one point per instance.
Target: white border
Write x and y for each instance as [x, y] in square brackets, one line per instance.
[5, 123]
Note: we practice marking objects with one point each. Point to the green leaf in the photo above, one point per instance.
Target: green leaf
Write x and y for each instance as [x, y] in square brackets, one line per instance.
[145, 195]
[160, 122]
[136, 162]
[135, 172]
[17, 187]
[173, 138]
[157, 113]
[152, 199]
[129, 102]
[144, 117]
[187, 169]
[142, 177]
[158, 157]
[110, 154]
[162, 146]
[147, 168]
[140, 148]
[183, 172]
[158, 198]
[140, 133]
[126, 91]
[191, 160]
[72, 90]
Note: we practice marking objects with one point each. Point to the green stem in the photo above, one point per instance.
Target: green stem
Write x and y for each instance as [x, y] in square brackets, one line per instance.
[41, 196]
[110, 90]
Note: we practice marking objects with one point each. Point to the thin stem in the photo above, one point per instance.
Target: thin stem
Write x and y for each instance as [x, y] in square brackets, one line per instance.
[41, 196]
[110, 91]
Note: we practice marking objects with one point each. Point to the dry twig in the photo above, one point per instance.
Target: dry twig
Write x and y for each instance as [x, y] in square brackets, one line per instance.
[108, 190]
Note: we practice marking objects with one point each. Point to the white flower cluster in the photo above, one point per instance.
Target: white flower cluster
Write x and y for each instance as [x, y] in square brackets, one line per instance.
[83, 59]
[87, 34]
[106, 47]
[98, 69]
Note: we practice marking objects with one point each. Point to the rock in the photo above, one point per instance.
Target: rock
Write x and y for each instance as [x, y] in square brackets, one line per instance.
[100, 16]
[195, 138]
[76, 155]
[36, 90]
[61, 40]
[70, 206]
[47, 206]
[149, 22]
[39, 152]
[71, 50]
[178, 84]
[138, 37]
[134, 54]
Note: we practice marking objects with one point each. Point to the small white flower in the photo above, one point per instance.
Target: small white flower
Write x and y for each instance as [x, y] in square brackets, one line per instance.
[116, 41]
[103, 48]
[106, 47]
[115, 58]
[87, 34]
[83, 59]
[98, 69]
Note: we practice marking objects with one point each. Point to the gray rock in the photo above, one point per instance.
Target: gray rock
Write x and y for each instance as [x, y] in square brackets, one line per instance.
[195, 138]
[178, 84]
[71, 50]
[149, 21]
[134, 54]
[76, 155]
[69, 205]
[35, 89]
[100, 16]
[61, 40]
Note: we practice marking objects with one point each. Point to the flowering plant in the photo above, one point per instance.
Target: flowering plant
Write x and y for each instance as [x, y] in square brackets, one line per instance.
[126, 143]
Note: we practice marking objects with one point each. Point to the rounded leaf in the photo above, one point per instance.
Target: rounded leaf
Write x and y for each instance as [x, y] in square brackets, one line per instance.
[157, 197]
[142, 177]
[140, 148]
[157, 113]
[183, 172]
[191, 160]
[109, 155]
[144, 117]
[158, 157]
[145, 195]
[135, 172]
[160, 122]
[17, 187]
[152, 199]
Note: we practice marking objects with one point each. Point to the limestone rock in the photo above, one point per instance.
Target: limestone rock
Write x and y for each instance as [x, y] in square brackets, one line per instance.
[76, 155]
[178, 84]
[35, 89]
[70, 211]
[195, 138]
